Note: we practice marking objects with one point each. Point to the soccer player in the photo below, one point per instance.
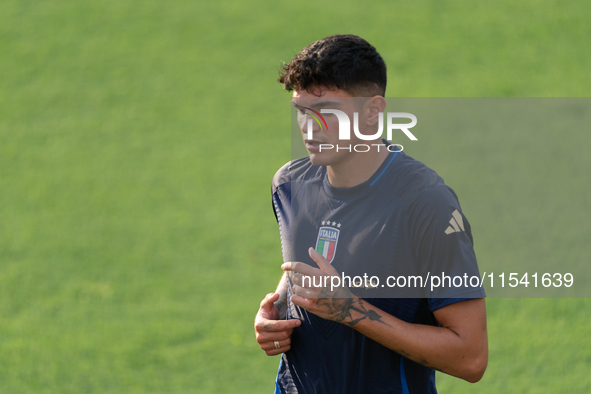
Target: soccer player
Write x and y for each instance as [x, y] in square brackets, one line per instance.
[382, 212]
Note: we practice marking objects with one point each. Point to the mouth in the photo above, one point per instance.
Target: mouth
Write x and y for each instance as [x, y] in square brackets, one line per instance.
[312, 145]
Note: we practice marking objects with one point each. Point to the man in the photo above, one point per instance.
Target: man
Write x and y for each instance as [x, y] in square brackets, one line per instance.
[381, 212]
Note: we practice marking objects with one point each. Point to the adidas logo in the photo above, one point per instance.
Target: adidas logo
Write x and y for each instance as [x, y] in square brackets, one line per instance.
[456, 223]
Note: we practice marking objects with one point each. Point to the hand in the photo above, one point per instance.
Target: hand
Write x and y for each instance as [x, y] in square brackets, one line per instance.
[326, 301]
[272, 334]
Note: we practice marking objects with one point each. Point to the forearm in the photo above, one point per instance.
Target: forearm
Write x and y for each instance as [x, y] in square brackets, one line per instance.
[459, 346]
[441, 348]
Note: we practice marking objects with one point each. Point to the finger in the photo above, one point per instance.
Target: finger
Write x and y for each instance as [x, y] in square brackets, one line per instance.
[317, 281]
[269, 300]
[323, 264]
[276, 352]
[266, 337]
[305, 292]
[298, 266]
[272, 345]
[276, 325]
[305, 303]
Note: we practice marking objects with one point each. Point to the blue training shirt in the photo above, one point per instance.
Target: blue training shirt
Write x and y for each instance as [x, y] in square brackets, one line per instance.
[403, 221]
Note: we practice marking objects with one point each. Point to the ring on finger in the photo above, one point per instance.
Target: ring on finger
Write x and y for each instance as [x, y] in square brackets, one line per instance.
[277, 345]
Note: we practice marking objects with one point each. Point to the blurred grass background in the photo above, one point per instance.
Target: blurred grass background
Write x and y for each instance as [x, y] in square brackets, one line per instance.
[138, 140]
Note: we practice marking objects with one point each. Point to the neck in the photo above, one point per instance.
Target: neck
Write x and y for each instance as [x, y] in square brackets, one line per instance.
[358, 169]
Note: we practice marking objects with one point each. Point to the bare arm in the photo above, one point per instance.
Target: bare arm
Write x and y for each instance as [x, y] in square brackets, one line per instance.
[459, 347]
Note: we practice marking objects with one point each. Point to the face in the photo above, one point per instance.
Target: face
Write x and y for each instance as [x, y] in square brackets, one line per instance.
[325, 135]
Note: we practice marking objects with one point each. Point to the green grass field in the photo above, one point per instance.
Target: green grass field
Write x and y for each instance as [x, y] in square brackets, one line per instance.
[138, 140]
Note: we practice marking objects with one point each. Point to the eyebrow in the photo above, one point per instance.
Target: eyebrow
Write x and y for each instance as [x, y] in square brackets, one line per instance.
[317, 105]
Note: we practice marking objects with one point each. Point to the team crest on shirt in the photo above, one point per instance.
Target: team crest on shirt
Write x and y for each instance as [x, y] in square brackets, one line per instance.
[326, 243]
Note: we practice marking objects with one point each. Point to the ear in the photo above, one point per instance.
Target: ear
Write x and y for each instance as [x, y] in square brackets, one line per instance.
[374, 106]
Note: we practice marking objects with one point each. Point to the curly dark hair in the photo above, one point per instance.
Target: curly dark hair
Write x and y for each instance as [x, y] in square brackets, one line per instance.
[343, 61]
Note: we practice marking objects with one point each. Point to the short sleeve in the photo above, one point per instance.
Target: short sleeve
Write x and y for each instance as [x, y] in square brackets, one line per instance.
[443, 247]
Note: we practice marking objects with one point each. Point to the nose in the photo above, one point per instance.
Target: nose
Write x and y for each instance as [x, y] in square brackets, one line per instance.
[309, 125]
